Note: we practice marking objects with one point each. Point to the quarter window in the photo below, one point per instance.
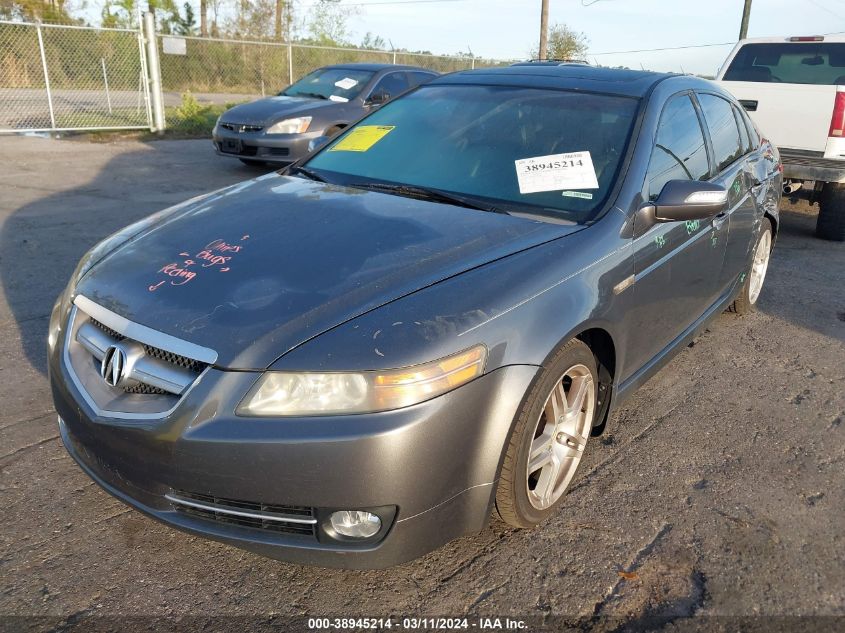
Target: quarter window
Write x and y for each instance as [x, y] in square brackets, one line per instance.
[723, 129]
[679, 151]
[743, 132]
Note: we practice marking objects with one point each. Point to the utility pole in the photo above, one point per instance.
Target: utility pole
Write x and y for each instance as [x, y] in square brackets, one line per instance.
[544, 27]
[746, 14]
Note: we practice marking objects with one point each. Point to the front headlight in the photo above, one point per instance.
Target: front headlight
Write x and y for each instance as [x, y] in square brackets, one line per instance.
[290, 126]
[279, 394]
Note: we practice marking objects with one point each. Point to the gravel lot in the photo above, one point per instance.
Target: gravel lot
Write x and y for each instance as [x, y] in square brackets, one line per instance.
[717, 492]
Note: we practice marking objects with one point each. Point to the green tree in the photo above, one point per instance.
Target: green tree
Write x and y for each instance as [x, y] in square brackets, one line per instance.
[187, 24]
[328, 22]
[564, 43]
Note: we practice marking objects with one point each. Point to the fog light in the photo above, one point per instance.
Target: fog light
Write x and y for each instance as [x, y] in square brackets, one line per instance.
[355, 523]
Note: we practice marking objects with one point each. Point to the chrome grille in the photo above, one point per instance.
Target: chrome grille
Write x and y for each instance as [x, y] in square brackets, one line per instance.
[287, 519]
[107, 330]
[241, 127]
[155, 369]
[175, 359]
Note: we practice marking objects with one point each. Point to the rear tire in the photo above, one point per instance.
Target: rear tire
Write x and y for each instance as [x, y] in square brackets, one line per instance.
[551, 430]
[752, 283]
[831, 222]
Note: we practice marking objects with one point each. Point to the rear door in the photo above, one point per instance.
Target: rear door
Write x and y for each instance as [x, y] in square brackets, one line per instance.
[733, 159]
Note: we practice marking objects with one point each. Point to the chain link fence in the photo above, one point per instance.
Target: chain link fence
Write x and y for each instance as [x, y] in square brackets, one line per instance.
[214, 69]
[59, 77]
[64, 77]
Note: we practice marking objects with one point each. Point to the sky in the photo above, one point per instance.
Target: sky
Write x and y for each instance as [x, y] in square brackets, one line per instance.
[508, 29]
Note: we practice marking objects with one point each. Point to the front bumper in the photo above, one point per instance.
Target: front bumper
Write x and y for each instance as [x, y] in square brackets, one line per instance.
[428, 470]
[273, 148]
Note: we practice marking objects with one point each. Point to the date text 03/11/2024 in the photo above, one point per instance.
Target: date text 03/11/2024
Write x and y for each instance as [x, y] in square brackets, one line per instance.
[417, 623]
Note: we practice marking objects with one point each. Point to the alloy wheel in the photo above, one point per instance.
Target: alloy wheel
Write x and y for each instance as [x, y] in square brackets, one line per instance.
[759, 266]
[560, 437]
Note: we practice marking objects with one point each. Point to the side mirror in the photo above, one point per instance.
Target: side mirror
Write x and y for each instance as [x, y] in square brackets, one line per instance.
[317, 142]
[378, 98]
[682, 200]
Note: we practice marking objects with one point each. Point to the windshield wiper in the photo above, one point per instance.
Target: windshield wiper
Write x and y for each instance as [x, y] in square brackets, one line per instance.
[429, 193]
[316, 95]
[310, 174]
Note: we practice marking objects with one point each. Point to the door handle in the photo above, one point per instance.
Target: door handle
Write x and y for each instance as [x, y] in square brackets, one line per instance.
[719, 220]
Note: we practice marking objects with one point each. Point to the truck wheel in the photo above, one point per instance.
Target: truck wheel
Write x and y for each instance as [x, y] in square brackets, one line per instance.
[831, 222]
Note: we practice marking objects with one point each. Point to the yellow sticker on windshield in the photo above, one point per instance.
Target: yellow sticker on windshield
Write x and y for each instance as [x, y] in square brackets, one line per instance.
[362, 138]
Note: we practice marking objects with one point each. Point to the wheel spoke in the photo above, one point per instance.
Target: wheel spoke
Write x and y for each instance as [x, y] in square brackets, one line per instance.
[577, 394]
[548, 480]
[556, 405]
[540, 451]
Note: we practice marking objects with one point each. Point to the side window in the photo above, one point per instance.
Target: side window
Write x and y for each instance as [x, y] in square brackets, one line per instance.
[418, 78]
[743, 132]
[679, 151]
[753, 134]
[392, 84]
[723, 129]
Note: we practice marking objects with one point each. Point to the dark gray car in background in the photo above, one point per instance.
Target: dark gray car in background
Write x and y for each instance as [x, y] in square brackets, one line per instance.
[356, 360]
[279, 129]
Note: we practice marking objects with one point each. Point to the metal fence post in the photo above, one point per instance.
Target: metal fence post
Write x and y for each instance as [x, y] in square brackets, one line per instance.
[290, 62]
[46, 76]
[155, 73]
[106, 82]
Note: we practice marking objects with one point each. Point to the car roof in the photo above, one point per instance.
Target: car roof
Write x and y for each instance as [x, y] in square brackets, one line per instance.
[378, 67]
[630, 83]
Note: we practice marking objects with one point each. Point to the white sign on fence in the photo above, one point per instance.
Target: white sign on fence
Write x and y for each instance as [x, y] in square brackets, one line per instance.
[174, 45]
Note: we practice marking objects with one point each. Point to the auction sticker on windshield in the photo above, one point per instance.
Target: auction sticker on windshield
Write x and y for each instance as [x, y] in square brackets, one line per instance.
[346, 83]
[362, 138]
[555, 172]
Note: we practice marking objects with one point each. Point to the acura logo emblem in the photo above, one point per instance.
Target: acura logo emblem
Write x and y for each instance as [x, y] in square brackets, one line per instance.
[113, 365]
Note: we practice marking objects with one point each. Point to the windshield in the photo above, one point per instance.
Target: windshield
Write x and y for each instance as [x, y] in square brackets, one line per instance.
[336, 84]
[540, 151]
[817, 63]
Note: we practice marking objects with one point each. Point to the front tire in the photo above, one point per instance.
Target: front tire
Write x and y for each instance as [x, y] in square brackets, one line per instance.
[549, 437]
[752, 283]
[830, 224]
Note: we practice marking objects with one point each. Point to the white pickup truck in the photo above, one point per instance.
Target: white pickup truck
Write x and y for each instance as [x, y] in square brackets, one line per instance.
[794, 90]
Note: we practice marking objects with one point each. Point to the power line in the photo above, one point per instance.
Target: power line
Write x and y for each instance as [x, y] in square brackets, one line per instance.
[667, 48]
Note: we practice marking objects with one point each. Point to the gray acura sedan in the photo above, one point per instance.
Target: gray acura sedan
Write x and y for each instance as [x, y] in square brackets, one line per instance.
[279, 129]
[354, 361]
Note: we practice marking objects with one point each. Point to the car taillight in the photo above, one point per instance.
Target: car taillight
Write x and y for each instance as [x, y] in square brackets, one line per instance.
[837, 120]
[807, 38]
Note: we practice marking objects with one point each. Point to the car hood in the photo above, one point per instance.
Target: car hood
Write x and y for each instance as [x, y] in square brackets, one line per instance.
[258, 269]
[271, 109]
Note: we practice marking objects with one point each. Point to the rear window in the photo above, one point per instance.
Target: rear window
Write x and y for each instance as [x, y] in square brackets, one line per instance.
[821, 63]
